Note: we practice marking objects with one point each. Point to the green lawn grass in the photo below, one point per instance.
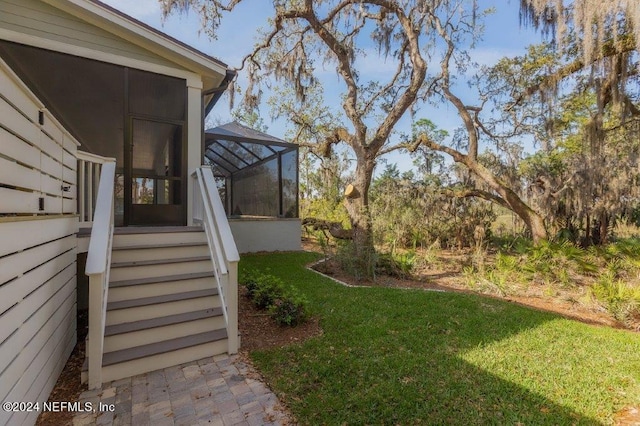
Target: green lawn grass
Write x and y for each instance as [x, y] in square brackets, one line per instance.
[391, 356]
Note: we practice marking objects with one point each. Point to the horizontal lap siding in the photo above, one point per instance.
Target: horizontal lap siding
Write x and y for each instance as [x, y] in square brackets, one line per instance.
[37, 255]
[37, 308]
[41, 20]
[16, 148]
[36, 160]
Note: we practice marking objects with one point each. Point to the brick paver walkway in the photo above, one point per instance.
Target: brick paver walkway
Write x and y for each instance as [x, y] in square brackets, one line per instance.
[220, 390]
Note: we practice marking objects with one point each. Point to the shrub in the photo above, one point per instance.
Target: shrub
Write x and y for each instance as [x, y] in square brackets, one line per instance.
[268, 292]
[360, 266]
[396, 265]
[250, 281]
[268, 289]
[622, 300]
[289, 311]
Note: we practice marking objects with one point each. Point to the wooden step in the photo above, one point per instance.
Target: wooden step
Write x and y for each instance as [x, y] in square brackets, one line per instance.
[161, 321]
[143, 351]
[133, 230]
[170, 353]
[121, 271]
[152, 262]
[152, 280]
[154, 330]
[145, 358]
[158, 286]
[138, 230]
[159, 251]
[155, 300]
[143, 236]
[165, 245]
[156, 306]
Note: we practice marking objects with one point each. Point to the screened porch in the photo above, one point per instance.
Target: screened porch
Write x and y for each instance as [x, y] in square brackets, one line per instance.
[257, 177]
[257, 174]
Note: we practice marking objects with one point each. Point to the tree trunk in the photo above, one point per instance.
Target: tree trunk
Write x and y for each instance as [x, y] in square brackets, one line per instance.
[587, 232]
[357, 204]
[533, 220]
[604, 229]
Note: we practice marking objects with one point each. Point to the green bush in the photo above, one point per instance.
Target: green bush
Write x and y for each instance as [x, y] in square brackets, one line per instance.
[290, 310]
[268, 290]
[250, 281]
[396, 264]
[283, 302]
[358, 265]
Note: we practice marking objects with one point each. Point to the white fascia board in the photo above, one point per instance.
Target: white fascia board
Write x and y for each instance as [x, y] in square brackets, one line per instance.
[132, 31]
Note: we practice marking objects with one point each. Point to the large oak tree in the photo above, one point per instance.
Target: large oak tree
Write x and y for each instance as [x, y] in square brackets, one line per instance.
[306, 36]
[596, 42]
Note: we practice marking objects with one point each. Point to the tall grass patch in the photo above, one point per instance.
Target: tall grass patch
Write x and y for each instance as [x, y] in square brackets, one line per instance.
[610, 273]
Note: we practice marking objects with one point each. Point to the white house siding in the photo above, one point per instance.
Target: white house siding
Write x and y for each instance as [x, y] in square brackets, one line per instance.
[36, 160]
[37, 248]
[37, 309]
[268, 234]
[37, 19]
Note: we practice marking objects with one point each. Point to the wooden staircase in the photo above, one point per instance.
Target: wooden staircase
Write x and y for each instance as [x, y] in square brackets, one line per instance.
[163, 307]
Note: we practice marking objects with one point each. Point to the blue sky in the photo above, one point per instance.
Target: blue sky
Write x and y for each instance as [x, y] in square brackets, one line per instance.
[236, 36]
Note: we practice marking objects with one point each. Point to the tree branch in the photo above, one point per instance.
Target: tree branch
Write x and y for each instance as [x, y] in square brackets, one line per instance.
[384, 90]
[464, 113]
[474, 192]
[341, 53]
[418, 74]
[624, 44]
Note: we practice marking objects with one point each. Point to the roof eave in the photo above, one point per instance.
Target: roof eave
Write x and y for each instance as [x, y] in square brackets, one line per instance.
[216, 93]
[122, 25]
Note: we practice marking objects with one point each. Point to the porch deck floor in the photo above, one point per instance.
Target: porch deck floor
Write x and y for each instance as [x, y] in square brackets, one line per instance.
[221, 390]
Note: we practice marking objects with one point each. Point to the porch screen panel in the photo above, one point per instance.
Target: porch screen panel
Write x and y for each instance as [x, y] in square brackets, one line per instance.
[290, 184]
[86, 96]
[255, 190]
[156, 95]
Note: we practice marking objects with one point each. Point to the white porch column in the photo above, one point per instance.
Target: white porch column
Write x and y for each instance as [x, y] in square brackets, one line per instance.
[194, 137]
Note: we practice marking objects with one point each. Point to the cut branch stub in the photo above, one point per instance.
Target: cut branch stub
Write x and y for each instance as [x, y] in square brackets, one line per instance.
[351, 192]
[335, 229]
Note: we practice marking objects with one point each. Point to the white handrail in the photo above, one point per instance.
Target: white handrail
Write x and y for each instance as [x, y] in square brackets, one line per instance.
[224, 230]
[208, 211]
[97, 268]
[89, 167]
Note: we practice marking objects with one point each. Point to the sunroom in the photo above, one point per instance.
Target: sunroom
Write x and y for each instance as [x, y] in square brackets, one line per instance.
[257, 177]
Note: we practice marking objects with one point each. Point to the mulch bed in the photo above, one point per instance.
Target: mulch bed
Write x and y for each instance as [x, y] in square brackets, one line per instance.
[68, 387]
[259, 331]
